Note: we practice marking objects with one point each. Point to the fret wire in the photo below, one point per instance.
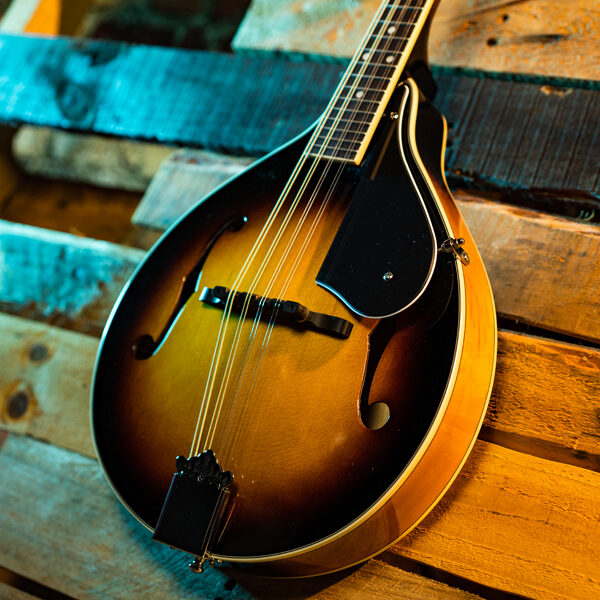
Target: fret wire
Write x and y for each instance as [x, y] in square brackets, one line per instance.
[372, 75]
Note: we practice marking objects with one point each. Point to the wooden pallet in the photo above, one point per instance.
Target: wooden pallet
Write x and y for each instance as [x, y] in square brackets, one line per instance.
[522, 519]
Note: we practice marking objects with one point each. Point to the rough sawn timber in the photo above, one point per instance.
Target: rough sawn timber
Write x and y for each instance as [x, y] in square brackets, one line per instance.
[517, 523]
[54, 275]
[116, 557]
[546, 37]
[45, 382]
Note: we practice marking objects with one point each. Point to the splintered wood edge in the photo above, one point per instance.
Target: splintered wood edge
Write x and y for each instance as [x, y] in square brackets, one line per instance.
[530, 36]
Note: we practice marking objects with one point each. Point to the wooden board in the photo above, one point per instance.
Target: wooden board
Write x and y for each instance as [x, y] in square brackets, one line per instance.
[183, 180]
[86, 546]
[529, 36]
[106, 162]
[195, 105]
[45, 382]
[502, 496]
[60, 277]
[543, 269]
[518, 523]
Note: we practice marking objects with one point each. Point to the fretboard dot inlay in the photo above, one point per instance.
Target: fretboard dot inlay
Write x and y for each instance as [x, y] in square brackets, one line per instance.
[368, 84]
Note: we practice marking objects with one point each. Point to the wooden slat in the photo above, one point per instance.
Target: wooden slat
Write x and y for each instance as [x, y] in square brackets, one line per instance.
[86, 546]
[182, 180]
[195, 105]
[45, 382]
[529, 36]
[57, 276]
[517, 523]
[546, 400]
[200, 98]
[544, 270]
[106, 162]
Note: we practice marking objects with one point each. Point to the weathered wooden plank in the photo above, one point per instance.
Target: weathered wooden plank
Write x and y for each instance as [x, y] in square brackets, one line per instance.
[546, 400]
[61, 277]
[544, 270]
[517, 523]
[182, 180]
[164, 94]
[545, 150]
[102, 161]
[82, 519]
[45, 382]
[529, 36]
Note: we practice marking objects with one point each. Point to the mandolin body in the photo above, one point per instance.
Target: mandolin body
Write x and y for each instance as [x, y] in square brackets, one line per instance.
[321, 479]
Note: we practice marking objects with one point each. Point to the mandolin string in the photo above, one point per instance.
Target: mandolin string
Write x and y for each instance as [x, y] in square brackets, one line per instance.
[233, 352]
[287, 282]
[310, 146]
[218, 408]
[227, 311]
[291, 273]
[380, 64]
[231, 407]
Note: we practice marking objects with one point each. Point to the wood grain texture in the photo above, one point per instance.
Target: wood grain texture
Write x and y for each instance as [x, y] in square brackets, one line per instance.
[57, 276]
[520, 37]
[182, 180]
[106, 162]
[546, 400]
[82, 519]
[518, 523]
[543, 269]
[45, 382]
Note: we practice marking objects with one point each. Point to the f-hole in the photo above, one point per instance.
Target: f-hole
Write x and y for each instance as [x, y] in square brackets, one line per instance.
[145, 345]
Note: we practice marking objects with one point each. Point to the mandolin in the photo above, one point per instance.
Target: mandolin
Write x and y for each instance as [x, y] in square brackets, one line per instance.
[298, 369]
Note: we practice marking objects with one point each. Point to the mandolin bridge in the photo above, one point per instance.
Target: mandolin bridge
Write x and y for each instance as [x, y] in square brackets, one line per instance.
[284, 311]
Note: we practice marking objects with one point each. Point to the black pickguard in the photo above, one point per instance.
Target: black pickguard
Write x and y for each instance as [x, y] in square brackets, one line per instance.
[384, 252]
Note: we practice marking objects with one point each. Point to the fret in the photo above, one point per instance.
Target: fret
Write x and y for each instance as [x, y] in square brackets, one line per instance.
[384, 70]
[346, 128]
[325, 145]
[368, 95]
[395, 44]
[351, 125]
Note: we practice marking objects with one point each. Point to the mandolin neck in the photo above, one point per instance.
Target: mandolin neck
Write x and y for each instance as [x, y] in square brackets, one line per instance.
[349, 121]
